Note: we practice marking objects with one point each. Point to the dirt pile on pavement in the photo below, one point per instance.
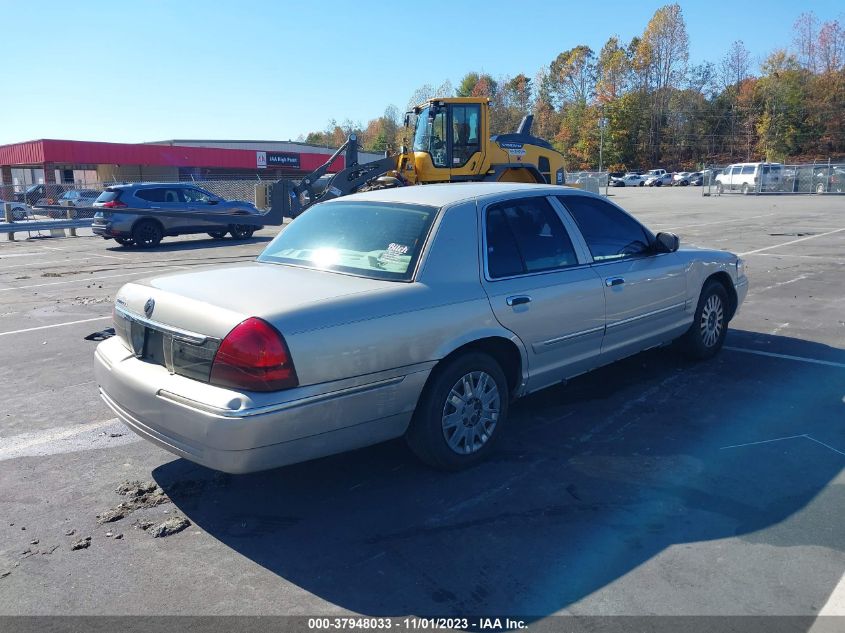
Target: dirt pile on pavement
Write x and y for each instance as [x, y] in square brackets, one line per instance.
[140, 494]
[144, 495]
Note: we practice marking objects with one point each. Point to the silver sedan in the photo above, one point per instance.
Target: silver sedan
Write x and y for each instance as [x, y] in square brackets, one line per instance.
[420, 312]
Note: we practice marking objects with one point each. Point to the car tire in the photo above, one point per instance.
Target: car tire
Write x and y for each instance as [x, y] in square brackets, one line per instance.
[450, 437]
[124, 241]
[709, 328]
[241, 231]
[820, 188]
[642, 184]
[720, 188]
[744, 189]
[217, 235]
[147, 234]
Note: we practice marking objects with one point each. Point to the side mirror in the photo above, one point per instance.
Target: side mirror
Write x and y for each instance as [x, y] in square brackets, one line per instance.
[667, 243]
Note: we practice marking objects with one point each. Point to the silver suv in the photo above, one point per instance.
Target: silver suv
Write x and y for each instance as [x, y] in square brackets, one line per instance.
[132, 228]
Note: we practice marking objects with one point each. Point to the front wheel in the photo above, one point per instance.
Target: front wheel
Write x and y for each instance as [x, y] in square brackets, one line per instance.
[461, 413]
[820, 188]
[241, 231]
[124, 241]
[218, 235]
[710, 326]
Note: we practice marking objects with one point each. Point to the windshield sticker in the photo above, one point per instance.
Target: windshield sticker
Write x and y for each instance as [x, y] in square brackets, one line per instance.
[393, 253]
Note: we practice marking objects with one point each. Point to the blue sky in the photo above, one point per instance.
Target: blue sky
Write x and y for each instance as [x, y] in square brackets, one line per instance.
[141, 71]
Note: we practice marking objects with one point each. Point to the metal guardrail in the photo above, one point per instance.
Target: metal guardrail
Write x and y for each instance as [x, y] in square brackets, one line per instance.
[42, 225]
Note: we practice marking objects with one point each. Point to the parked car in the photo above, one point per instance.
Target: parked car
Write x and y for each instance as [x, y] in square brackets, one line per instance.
[696, 179]
[146, 230]
[420, 312]
[34, 195]
[829, 179]
[681, 179]
[629, 180]
[659, 180]
[79, 198]
[19, 210]
[750, 177]
[708, 176]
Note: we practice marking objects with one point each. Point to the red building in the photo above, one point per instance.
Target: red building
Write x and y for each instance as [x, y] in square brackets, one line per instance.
[84, 162]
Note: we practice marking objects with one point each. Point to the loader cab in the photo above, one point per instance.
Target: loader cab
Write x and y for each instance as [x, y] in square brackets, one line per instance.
[448, 139]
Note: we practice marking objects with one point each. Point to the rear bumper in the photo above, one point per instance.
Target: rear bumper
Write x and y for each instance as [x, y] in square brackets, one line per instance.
[227, 431]
[107, 231]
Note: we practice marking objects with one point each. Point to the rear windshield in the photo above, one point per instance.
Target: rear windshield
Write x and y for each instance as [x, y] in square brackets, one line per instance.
[370, 239]
[108, 195]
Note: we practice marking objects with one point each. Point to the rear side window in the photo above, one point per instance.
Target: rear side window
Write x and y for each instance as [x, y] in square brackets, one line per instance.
[526, 236]
[610, 233]
[150, 195]
[108, 195]
[748, 169]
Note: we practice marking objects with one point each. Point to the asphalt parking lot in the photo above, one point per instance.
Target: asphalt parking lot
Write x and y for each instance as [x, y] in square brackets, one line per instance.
[654, 486]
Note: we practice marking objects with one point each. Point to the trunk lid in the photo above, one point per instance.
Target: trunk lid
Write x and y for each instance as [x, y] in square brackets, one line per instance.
[212, 301]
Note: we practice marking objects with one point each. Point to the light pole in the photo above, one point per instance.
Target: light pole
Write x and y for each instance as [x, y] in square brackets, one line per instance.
[602, 125]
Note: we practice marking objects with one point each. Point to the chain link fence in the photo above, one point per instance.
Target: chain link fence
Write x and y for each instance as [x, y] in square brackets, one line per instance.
[38, 202]
[775, 178]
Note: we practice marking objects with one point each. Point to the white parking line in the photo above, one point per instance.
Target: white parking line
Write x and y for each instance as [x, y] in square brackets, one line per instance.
[46, 264]
[835, 604]
[47, 327]
[781, 283]
[780, 439]
[67, 439]
[800, 239]
[802, 359]
[689, 226]
[70, 281]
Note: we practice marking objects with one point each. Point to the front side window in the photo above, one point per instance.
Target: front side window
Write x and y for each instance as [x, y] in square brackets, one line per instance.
[370, 239]
[465, 133]
[610, 233]
[430, 136]
[197, 195]
[526, 236]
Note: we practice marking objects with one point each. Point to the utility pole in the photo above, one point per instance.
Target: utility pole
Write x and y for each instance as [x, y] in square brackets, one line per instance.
[602, 125]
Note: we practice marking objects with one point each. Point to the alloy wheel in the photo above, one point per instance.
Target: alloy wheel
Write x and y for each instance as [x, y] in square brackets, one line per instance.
[471, 412]
[712, 320]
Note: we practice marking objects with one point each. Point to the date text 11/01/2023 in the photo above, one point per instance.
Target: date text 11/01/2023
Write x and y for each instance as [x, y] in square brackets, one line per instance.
[416, 624]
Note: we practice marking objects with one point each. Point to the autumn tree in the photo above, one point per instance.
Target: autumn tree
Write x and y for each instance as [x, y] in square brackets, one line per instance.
[805, 39]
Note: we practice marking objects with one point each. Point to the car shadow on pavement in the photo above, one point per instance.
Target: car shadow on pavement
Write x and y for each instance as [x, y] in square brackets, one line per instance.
[190, 245]
[594, 480]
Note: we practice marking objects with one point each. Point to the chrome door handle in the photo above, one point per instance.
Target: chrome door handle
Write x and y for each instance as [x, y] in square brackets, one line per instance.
[518, 300]
[614, 281]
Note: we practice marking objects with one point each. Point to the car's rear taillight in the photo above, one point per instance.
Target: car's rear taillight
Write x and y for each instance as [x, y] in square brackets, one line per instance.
[115, 204]
[254, 357]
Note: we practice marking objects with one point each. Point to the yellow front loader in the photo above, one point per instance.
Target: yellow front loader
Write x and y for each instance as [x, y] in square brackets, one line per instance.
[451, 143]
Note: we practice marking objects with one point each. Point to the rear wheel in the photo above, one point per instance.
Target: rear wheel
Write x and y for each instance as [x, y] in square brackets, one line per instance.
[720, 188]
[241, 231]
[218, 235]
[147, 233]
[642, 184]
[461, 412]
[124, 241]
[710, 325]
[820, 188]
[744, 189]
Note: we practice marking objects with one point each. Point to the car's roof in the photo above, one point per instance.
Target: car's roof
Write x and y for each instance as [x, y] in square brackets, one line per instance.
[449, 193]
[142, 185]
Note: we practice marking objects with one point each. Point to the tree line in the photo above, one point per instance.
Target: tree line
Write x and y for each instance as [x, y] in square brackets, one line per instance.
[644, 104]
